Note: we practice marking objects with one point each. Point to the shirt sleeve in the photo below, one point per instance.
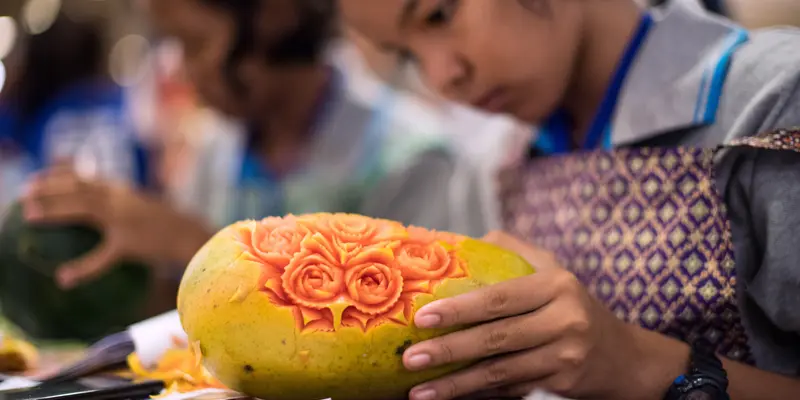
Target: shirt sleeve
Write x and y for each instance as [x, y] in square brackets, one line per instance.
[435, 191]
[761, 191]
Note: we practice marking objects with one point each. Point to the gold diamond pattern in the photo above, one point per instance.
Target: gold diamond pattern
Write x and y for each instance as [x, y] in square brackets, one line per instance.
[644, 230]
[782, 139]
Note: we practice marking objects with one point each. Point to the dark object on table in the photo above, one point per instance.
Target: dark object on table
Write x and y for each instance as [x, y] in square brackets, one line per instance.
[31, 299]
[108, 354]
[88, 389]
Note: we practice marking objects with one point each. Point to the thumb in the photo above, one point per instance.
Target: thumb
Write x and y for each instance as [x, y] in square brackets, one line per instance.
[536, 256]
[86, 268]
[63, 163]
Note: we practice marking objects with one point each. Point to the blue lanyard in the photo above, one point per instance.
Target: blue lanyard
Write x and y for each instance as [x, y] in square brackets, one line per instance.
[554, 135]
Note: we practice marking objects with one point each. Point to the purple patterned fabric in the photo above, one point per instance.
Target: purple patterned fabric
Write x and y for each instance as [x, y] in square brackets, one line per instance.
[644, 230]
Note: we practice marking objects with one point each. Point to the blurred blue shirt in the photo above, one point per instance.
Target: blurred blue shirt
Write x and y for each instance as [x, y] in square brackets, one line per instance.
[87, 122]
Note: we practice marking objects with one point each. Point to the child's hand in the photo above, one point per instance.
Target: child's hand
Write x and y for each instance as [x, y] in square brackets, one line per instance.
[543, 331]
[133, 224]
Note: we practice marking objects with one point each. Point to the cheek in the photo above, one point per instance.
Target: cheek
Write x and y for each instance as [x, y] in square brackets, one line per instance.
[539, 67]
[208, 71]
[375, 20]
[548, 81]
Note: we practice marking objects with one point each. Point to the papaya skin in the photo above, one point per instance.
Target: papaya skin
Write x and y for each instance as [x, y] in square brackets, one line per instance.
[254, 346]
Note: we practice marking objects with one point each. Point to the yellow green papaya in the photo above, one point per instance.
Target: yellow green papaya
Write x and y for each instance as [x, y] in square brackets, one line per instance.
[321, 306]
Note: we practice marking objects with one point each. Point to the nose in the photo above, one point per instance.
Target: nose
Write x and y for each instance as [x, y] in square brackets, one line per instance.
[446, 72]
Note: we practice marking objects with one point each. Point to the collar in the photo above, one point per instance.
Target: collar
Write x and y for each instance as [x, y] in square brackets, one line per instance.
[677, 79]
[554, 135]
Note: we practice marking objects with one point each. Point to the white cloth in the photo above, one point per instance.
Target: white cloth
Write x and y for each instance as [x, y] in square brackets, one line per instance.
[152, 337]
[17, 383]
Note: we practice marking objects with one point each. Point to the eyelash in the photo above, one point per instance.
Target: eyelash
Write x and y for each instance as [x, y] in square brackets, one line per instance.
[443, 13]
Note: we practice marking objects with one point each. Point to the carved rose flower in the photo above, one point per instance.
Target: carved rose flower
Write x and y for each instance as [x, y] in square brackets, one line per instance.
[346, 238]
[274, 240]
[348, 270]
[424, 261]
[310, 280]
[373, 285]
[422, 235]
[352, 228]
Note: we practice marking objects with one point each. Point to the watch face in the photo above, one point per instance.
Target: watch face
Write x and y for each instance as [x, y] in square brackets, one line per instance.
[698, 395]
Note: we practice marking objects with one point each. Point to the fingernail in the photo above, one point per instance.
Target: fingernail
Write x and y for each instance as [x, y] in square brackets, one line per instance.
[423, 394]
[417, 361]
[27, 190]
[65, 280]
[32, 211]
[427, 320]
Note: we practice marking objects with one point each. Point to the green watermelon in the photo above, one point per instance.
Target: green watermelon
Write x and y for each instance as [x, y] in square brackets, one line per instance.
[31, 299]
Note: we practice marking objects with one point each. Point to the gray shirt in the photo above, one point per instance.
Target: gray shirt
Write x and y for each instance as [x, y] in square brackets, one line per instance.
[416, 176]
[698, 82]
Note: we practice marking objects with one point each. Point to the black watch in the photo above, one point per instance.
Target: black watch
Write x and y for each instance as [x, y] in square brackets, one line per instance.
[706, 379]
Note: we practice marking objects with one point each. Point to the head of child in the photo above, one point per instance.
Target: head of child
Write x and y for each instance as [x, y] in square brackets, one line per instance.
[245, 57]
[522, 57]
[75, 47]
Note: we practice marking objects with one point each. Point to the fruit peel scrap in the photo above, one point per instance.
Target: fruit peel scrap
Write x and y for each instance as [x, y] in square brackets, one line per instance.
[181, 370]
[17, 355]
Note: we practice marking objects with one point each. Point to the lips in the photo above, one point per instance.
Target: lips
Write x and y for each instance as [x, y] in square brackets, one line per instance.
[494, 100]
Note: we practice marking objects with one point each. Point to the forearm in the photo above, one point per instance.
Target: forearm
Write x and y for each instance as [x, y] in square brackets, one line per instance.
[193, 235]
[664, 359]
[748, 383]
[182, 235]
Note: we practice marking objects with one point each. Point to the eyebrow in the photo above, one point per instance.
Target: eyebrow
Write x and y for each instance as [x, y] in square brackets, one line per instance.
[409, 9]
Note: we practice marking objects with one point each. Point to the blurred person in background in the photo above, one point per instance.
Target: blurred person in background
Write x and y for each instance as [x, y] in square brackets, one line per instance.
[658, 199]
[63, 107]
[294, 142]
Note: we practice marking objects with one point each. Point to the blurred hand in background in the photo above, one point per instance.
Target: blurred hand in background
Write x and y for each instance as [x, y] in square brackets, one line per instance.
[135, 225]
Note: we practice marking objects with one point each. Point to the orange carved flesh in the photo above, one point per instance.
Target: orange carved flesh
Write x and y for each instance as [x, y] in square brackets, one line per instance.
[337, 270]
[179, 368]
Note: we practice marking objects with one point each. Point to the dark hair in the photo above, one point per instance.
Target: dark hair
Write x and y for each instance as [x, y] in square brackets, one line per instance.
[302, 45]
[715, 6]
[65, 54]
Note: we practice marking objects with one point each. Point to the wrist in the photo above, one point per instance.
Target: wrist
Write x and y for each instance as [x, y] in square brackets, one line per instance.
[186, 236]
[661, 360]
[193, 236]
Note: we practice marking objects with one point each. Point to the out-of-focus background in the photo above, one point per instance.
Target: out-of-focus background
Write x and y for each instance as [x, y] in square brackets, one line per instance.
[161, 104]
[158, 100]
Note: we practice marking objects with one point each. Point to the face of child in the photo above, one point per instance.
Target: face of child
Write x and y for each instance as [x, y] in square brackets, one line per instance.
[206, 36]
[507, 56]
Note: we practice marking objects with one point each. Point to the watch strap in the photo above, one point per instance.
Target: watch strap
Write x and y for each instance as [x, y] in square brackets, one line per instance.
[706, 378]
